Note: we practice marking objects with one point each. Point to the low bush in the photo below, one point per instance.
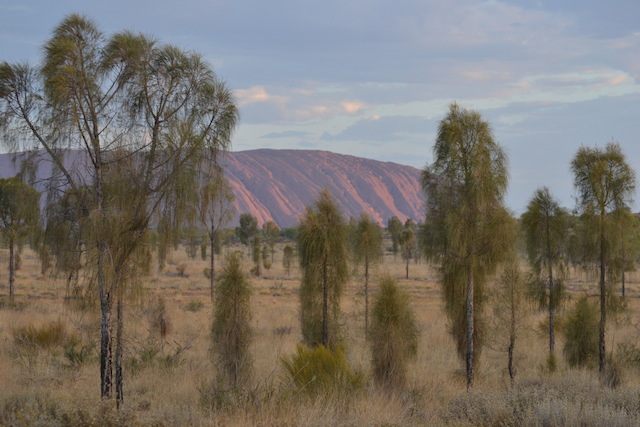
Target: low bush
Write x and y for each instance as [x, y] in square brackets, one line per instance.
[320, 370]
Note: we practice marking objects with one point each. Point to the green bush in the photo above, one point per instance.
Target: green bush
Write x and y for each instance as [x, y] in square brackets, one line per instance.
[394, 335]
[320, 370]
[581, 334]
[194, 306]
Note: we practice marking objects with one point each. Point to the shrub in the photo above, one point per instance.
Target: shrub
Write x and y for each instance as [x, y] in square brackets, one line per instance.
[194, 306]
[581, 334]
[182, 269]
[394, 335]
[320, 370]
[45, 337]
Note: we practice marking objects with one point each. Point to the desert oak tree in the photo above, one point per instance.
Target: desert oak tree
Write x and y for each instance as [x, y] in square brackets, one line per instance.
[140, 115]
[467, 229]
[604, 183]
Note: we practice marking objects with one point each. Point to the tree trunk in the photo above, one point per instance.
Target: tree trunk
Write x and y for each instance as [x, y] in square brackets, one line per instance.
[119, 332]
[212, 271]
[552, 337]
[469, 358]
[407, 270]
[512, 341]
[106, 367]
[603, 308]
[12, 268]
[366, 294]
[552, 334]
[623, 282]
[325, 304]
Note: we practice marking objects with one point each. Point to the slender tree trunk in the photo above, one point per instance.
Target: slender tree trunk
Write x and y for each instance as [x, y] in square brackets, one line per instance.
[366, 294]
[407, 269]
[212, 271]
[119, 332]
[603, 307]
[12, 268]
[512, 339]
[469, 358]
[552, 335]
[106, 367]
[106, 341]
[325, 304]
[623, 282]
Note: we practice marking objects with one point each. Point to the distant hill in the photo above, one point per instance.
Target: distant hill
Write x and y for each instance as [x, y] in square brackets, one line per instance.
[278, 184]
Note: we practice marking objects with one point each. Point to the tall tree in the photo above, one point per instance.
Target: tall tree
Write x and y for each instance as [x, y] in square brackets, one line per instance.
[605, 183]
[231, 327]
[368, 251]
[545, 226]
[257, 255]
[215, 210]
[394, 226]
[407, 244]
[467, 229]
[287, 259]
[19, 215]
[141, 114]
[509, 311]
[271, 233]
[322, 248]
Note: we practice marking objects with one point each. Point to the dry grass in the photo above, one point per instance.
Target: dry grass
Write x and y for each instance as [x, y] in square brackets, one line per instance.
[167, 378]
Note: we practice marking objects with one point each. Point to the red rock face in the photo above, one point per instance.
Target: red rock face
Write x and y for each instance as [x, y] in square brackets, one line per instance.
[278, 184]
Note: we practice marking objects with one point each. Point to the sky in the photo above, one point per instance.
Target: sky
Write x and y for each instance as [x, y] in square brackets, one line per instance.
[373, 78]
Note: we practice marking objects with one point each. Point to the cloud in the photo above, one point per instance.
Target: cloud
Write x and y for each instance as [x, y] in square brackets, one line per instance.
[287, 134]
[377, 129]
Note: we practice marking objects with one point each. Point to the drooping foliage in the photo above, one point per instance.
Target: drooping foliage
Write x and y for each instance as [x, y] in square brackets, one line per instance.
[368, 252]
[19, 217]
[231, 328]
[126, 119]
[546, 230]
[322, 249]
[605, 184]
[394, 335]
[467, 231]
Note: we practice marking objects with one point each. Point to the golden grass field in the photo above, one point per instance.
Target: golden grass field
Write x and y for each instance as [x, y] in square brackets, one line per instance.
[42, 387]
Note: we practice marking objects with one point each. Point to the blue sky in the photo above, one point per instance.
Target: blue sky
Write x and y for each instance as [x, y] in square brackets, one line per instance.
[372, 78]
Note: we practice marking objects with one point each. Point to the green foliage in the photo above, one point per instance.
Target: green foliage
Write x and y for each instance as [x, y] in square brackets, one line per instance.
[394, 226]
[545, 226]
[538, 292]
[367, 241]
[266, 259]
[393, 335]
[581, 334]
[19, 217]
[509, 312]
[605, 184]
[248, 228]
[143, 114]
[257, 259]
[321, 371]
[231, 328]
[322, 249]
[194, 306]
[289, 233]
[287, 258]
